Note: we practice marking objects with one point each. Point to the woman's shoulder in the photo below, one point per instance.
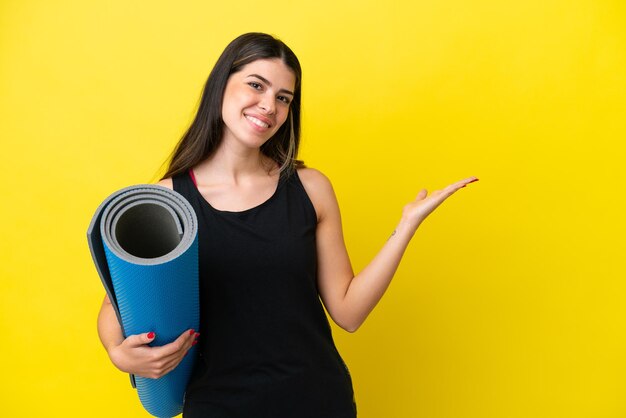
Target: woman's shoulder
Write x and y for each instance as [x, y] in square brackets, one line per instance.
[319, 189]
[313, 179]
[166, 182]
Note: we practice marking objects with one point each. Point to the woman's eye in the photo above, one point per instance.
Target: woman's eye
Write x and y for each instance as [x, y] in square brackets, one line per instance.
[254, 85]
[283, 99]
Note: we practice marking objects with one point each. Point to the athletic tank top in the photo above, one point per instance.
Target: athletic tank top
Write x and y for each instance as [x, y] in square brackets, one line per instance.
[266, 349]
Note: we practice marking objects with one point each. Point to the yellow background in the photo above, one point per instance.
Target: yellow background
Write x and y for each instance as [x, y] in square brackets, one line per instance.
[510, 301]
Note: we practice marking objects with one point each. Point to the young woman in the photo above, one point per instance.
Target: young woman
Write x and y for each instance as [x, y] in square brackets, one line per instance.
[271, 252]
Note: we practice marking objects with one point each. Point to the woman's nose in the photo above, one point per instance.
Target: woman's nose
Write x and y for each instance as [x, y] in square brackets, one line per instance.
[267, 104]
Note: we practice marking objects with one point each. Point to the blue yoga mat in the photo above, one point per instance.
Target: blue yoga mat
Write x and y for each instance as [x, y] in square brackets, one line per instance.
[144, 243]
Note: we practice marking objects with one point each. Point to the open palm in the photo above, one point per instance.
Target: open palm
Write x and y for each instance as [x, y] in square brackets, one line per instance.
[424, 204]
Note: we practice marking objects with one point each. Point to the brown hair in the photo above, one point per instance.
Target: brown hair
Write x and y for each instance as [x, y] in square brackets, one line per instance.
[205, 132]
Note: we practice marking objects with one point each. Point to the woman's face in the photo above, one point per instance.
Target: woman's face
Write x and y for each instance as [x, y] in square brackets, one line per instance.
[256, 101]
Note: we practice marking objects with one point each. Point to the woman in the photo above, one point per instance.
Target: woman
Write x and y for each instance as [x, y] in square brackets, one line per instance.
[271, 246]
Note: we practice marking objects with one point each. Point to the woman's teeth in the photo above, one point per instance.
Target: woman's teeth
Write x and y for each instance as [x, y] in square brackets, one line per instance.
[257, 122]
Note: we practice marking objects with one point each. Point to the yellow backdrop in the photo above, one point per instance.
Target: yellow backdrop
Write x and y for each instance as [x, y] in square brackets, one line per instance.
[511, 300]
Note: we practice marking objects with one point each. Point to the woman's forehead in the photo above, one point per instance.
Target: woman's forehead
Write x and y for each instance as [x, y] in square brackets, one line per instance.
[273, 69]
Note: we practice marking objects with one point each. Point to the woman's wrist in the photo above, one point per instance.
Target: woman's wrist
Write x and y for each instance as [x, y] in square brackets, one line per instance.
[406, 228]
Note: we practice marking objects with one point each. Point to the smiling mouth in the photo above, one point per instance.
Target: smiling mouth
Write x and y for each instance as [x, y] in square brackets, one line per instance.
[257, 122]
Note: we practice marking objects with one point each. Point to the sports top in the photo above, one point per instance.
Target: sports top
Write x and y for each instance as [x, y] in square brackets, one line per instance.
[266, 348]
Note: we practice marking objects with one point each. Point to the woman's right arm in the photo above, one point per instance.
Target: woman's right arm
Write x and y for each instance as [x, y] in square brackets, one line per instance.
[133, 354]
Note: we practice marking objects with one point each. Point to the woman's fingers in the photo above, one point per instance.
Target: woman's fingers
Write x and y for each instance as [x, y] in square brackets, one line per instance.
[171, 361]
[180, 344]
[140, 339]
[165, 358]
[448, 190]
[424, 204]
[422, 194]
[135, 356]
[462, 183]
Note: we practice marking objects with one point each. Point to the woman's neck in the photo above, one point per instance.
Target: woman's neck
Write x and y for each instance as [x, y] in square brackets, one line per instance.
[232, 164]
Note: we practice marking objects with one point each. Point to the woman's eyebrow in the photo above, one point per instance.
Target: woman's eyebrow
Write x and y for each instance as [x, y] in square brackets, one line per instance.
[266, 81]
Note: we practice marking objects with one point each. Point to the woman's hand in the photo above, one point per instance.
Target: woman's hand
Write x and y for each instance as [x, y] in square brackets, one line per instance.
[135, 356]
[415, 212]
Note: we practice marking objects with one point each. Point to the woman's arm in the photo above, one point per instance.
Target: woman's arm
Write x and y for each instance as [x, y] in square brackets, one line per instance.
[133, 354]
[348, 298]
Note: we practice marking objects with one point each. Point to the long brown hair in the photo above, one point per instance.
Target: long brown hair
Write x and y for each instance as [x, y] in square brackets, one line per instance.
[205, 132]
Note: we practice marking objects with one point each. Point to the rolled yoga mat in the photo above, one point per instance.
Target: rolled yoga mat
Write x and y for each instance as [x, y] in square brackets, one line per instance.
[144, 243]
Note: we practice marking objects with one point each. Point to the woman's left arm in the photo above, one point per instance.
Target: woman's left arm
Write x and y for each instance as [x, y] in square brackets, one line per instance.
[348, 298]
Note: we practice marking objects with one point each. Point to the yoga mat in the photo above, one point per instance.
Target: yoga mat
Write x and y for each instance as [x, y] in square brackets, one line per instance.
[144, 243]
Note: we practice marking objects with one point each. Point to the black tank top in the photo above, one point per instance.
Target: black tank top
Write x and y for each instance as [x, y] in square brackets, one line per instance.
[266, 349]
